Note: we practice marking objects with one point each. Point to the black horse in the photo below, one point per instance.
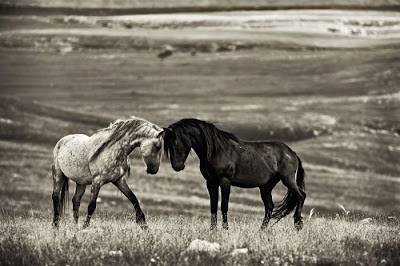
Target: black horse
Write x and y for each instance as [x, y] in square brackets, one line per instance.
[227, 161]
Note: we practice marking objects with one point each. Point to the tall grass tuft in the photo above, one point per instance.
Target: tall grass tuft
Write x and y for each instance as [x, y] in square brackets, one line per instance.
[118, 240]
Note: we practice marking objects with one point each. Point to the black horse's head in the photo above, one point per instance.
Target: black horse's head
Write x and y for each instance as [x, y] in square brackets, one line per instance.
[207, 141]
[177, 146]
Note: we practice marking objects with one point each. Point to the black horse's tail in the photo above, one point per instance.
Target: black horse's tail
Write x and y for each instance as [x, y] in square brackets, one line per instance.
[290, 200]
[64, 197]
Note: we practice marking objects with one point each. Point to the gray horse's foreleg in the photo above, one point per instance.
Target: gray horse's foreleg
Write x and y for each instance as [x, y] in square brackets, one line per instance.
[225, 192]
[213, 191]
[76, 200]
[96, 185]
[122, 185]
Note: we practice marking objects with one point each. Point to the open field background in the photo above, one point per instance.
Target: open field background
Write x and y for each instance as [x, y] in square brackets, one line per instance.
[324, 81]
[153, 4]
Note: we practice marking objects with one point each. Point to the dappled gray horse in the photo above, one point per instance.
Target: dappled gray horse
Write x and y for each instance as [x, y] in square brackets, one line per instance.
[103, 158]
[227, 161]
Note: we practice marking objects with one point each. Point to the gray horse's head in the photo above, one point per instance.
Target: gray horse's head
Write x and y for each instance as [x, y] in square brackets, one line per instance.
[151, 151]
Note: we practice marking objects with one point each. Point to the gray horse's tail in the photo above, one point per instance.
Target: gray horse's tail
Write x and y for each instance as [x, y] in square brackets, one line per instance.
[64, 197]
[290, 200]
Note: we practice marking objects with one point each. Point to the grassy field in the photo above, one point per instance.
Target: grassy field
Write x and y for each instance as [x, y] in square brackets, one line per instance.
[325, 82]
[116, 240]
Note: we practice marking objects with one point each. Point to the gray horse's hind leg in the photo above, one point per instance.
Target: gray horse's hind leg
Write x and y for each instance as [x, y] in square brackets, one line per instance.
[59, 180]
[96, 185]
[76, 200]
[122, 185]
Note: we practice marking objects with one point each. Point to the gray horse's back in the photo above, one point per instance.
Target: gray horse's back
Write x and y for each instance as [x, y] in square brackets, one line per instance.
[71, 155]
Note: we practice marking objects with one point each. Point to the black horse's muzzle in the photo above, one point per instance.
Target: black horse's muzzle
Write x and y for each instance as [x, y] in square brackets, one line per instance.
[179, 167]
[152, 170]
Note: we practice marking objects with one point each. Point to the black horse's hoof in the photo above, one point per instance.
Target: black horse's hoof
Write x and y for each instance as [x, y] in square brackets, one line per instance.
[140, 219]
[263, 227]
[144, 226]
[213, 227]
[298, 224]
[225, 226]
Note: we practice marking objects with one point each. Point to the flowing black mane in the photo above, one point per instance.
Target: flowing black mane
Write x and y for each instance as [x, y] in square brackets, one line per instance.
[215, 139]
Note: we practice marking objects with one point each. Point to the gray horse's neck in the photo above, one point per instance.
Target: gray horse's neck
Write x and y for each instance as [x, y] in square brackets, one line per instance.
[131, 143]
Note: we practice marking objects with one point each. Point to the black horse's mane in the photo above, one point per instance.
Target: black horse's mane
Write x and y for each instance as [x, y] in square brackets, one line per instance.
[215, 139]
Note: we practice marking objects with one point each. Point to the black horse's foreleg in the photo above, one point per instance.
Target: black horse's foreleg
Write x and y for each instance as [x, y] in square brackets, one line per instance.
[96, 185]
[213, 191]
[76, 200]
[225, 192]
[122, 185]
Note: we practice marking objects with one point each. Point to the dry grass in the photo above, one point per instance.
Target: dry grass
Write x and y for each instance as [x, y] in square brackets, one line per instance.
[115, 240]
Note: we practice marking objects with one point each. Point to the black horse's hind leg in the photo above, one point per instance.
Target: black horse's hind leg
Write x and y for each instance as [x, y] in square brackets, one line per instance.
[96, 185]
[225, 192]
[268, 204]
[266, 196]
[213, 191]
[76, 200]
[290, 183]
[122, 185]
[58, 182]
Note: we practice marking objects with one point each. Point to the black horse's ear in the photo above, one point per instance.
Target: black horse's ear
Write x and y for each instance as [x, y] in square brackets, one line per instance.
[161, 133]
[167, 129]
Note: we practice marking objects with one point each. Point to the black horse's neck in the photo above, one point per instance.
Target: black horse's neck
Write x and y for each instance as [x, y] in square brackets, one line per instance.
[206, 140]
[198, 144]
[202, 146]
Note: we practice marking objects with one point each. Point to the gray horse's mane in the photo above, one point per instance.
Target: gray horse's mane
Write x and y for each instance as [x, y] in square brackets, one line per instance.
[119, 128]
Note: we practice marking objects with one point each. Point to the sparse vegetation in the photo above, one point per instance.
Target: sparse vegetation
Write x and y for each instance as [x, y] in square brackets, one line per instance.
[337, 105]
[114, 240]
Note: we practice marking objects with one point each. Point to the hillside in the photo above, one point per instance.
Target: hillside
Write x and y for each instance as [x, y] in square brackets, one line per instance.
[325, 81]
[131, 7]
[32, 122]
[339, 166]
[330, 93]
